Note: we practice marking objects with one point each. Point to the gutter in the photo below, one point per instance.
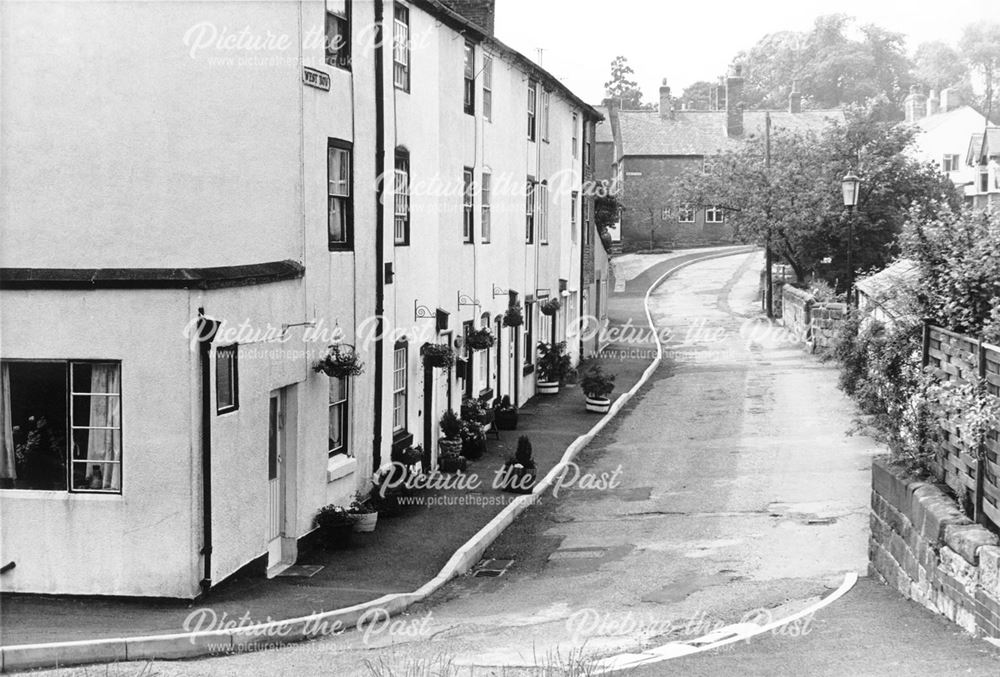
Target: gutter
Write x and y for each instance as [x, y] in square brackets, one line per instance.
[379, 234]
[207, 328]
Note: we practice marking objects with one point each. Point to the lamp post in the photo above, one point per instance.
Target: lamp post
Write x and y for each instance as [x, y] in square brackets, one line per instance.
[850, 185]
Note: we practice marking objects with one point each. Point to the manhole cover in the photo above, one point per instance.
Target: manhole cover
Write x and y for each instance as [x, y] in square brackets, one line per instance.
[491, 568]
[578, 553]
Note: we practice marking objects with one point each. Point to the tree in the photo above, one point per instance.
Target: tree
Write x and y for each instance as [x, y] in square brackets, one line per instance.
[698, 96]
[831, 68]
[622, 88]
[980, 44]
[795, 207]
[937, 65]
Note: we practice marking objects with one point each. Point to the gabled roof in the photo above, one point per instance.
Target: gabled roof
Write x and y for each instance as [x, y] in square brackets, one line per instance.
[701, 133]
[967, 113]
[976, 145]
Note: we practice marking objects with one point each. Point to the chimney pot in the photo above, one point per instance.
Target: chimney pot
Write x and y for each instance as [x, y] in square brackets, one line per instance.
[666, 102]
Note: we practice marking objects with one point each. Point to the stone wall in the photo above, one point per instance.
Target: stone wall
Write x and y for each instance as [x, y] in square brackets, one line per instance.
[923, 546]
[817, 323]
[826, 319]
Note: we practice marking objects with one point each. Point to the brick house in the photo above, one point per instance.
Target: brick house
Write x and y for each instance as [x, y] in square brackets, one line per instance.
[643, 151]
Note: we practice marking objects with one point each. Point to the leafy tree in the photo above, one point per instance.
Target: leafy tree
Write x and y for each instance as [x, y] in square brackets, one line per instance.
[698, 96]
[832, 68]
[795, 206]
[980, 43]
[622, 88]
[938, 65]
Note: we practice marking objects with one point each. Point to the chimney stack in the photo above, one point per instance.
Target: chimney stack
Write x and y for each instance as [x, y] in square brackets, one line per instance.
[719, 95]
[950, 99]
[666, 103]
[480, 12]
[795, 99]
[734, 102]
[915, 104]
[933, 104]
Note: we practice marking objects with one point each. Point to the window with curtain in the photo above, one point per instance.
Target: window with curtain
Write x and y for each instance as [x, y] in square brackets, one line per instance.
[468, 205]
[532, 108]
[401, 47]
[574, 199]
[469, 104]
[529, 212]
[338, 411]
[339, 204]
[61, 425]
[338, 33]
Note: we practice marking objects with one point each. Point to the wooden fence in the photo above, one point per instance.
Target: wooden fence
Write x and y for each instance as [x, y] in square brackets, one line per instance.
[963, 359]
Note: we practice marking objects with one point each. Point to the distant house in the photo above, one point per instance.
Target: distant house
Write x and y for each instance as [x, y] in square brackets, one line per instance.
[644, 151]
[983, 160]
[946, 124]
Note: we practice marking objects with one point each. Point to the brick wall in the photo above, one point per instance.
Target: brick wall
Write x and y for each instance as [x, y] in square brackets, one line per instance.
[922, 545]
[645, 188]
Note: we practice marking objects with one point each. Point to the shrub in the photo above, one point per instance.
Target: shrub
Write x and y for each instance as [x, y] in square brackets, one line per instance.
[596, 383]
[554, 365]
[451, 426]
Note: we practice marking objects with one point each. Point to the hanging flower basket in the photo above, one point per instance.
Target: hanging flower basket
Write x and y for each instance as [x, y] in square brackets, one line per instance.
[480, 339]
[550, 306]
[340, 361]
[513, 317]
[438, 355]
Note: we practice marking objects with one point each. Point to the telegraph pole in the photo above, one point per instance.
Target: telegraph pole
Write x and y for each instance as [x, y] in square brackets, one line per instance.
[768, 256]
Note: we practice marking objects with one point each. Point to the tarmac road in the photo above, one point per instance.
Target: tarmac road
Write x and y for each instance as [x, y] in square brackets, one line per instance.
[731, 491]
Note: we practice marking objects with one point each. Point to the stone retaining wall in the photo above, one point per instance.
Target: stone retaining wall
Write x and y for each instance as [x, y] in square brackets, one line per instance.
[825, 321]
[804, 316]
[922, 545]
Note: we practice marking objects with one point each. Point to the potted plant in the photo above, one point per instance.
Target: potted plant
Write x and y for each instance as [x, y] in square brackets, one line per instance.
[335, 525]
[438, 355]
[597, 385]
[513, 317]
[408, 456]
[364, 513]
[473, 440]
[450, 463]
[550, 306]
[554, 365]
[519, 471]
[472, 409]
[505, 414]
[341, 360]
[480, 339]
[451, 429]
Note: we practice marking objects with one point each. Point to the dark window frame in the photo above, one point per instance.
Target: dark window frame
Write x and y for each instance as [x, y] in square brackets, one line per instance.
[405, 390]
[345, 416]
[469, 79]
[532, 110]
[468, 205]
[234, 349]
[338, 58]
[485, 201]
[401, 72]
[529, 211]
[348, 243]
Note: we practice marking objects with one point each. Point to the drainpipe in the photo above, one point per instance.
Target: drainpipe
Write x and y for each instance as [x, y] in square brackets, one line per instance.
[379, 235]
[207, 328]
[583, 198]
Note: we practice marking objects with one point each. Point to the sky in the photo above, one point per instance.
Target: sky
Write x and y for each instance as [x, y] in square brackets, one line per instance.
[690, 41]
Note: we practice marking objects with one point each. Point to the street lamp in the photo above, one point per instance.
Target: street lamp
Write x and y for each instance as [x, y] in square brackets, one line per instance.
[850, 185]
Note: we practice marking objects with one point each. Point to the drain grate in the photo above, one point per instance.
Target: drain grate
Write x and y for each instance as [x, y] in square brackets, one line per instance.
[492, 568]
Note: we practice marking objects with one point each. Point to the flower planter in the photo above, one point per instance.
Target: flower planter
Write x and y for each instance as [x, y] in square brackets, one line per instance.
[365, 522]
[547, 387]
[449, 463]
[518, 479]
[448, 447]
[599, 405]
[474, 447]
[506, 419]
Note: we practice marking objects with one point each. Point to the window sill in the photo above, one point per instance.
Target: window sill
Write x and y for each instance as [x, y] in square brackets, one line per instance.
[340, 466]
[59, 495]
[528, 369]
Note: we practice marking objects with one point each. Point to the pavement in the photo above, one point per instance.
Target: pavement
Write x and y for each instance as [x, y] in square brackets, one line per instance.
[726, 490]
[401, 555]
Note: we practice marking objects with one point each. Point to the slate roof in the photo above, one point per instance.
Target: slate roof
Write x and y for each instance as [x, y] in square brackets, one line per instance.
[976, 144]
[704, 132]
